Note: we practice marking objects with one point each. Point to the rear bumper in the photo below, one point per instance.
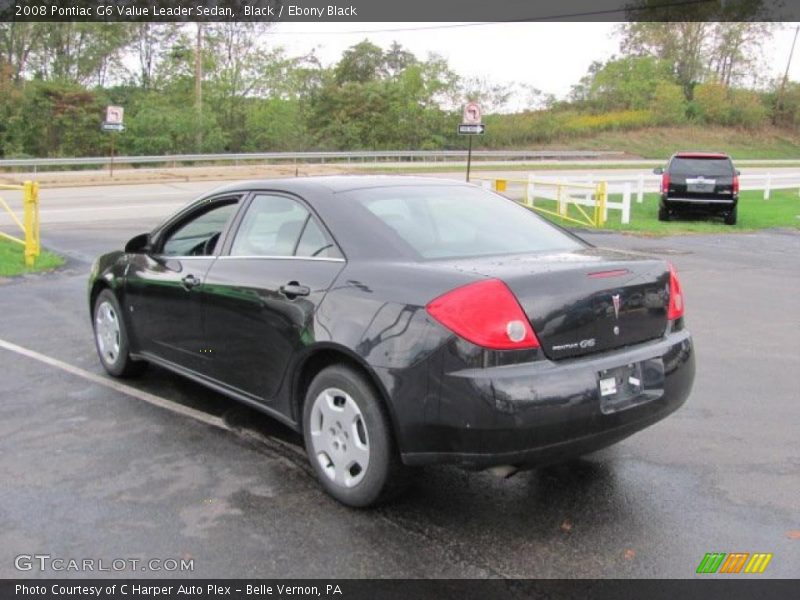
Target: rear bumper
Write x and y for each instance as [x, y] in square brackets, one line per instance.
[699, 204]
[543, 412]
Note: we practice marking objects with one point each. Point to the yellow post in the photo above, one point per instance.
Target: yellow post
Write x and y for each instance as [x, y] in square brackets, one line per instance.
[602, 197]
[30, 200]
[500, 185]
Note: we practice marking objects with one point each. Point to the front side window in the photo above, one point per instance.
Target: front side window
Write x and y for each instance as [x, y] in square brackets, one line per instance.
[280, 226]
[199, 234]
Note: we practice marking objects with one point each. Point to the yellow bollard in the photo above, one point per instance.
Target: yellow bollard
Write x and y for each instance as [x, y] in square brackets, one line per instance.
[602, 197]
[31, 219]
[500, 185]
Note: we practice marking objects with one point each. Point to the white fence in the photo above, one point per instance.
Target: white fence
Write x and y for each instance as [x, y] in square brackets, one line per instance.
[583, 197]
[580, 189]
[641, 183]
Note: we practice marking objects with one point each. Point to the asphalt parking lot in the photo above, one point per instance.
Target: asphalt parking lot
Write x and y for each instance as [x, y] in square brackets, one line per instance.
[94, 471]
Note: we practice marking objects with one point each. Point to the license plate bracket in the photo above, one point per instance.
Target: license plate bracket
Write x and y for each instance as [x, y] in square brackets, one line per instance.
[629, 385]
[700, 185]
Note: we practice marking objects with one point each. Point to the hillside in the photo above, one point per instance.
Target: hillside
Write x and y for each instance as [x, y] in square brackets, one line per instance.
[661, 142]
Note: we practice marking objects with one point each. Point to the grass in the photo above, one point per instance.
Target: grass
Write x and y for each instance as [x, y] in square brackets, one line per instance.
[781, 210]
[12, 260]
[660, 142]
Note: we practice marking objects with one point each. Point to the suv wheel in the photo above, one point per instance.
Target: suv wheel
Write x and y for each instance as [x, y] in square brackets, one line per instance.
[663, 214]
[348, 437]
[730, 218]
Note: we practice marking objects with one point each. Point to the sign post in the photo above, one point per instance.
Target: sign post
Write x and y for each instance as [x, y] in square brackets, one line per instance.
[471, 125]
[113, 124]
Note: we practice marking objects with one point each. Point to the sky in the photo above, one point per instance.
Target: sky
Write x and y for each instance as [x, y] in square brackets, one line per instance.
[548, 56]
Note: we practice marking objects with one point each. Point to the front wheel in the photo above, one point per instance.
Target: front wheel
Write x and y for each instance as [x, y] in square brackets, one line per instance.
[111, 337]
[348, 437]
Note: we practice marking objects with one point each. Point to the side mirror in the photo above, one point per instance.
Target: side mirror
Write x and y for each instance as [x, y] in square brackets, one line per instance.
[138, 244]
[658, 171]
[738, 172]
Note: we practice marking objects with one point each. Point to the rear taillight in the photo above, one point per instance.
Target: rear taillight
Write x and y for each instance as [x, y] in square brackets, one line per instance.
[676, 304]
[664, 183]
[735, 184]
[485, 313]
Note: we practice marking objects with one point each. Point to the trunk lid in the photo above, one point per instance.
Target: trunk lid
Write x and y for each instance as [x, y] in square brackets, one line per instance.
[586, 301]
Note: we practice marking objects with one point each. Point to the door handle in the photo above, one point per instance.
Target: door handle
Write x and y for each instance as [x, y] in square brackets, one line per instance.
[190, 281]
[293, 289]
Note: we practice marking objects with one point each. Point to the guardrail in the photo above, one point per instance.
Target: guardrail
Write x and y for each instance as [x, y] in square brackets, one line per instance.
[30, 220]
[395, 155]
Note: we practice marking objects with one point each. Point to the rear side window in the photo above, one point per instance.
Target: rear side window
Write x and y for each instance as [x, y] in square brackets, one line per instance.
[708, 167]
[279, 226]
[458, 221]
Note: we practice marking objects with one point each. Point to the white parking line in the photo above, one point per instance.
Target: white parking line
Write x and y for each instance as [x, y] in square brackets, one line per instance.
[118, 386]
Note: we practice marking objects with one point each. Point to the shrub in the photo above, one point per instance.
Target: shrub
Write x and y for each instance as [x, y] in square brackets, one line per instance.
[669, 105]
[611, 121]
[746, 109]
[711, 102]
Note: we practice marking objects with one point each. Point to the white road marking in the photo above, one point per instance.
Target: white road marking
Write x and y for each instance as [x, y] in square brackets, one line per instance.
[118, 386]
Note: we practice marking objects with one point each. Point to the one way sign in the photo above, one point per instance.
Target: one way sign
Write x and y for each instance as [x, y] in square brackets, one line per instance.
[468, 129]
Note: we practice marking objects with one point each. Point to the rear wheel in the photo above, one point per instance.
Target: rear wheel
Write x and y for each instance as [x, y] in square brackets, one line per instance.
[663, 214]
[111, 337]
[730, 218]
[349, 439]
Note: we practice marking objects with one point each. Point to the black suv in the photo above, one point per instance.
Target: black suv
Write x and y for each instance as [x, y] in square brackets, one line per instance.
[699, 182]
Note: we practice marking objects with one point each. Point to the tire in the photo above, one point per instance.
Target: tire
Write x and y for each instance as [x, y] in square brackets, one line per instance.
[345, 424]
[111, 337]
[663, 214]
[730, 218]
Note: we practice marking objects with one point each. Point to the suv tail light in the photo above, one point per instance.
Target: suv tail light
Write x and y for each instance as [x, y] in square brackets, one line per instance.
[664, 183]
[485, 313]
[676, 304]
[735, 184]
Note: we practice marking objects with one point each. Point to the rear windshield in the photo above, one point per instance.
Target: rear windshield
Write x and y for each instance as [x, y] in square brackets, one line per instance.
[459, 221]
[710, 167]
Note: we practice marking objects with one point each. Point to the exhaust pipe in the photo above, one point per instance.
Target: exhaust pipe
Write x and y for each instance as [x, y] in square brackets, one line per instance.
[503, 471]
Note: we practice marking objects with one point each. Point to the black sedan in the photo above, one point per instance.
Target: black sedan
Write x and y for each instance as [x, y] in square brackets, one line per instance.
[399, 321]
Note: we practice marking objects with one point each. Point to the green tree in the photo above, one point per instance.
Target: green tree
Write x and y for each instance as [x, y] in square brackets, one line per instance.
[79, 53]
[627, 83]
[362, 63]
[371, 102]
[700, 51]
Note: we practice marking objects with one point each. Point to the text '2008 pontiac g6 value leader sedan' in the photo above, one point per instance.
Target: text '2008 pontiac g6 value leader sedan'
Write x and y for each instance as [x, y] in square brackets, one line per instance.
[399, 321]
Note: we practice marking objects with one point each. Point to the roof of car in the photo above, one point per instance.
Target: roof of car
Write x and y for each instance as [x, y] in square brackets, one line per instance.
[335, 183]
[701, 155]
